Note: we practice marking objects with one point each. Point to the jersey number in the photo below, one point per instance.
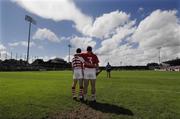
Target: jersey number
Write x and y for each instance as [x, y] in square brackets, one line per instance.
[90, 59]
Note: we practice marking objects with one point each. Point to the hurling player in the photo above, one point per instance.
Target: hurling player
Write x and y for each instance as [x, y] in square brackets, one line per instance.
[77, 65]
[90, 66]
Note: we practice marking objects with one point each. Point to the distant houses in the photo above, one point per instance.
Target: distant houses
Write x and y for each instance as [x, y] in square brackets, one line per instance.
[38, 64]
[61, 64]
[171, 65]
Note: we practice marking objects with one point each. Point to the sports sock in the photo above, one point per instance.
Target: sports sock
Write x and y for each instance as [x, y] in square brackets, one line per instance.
[93, 96]
[81, 92]
[85, 97]
[73, 91]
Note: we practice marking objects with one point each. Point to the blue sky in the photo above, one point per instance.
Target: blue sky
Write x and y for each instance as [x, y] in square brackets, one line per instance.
[80, 26]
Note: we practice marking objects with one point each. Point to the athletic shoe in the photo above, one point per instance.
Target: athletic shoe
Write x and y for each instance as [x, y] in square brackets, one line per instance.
[85, 97]
[74, 98]
[93, 98]
[93, 101]
[81, 98]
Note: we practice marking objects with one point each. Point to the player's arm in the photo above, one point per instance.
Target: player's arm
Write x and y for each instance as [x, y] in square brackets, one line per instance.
[72, 65]
[81, 59]
[98, 71]
[97, 63]
[96, 66]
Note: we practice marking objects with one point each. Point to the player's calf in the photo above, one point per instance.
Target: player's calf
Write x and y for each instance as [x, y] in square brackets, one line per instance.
[74, 92]
[81, 93]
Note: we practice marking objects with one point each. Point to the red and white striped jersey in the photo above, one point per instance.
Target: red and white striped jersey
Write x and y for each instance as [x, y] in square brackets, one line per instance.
[77, 61]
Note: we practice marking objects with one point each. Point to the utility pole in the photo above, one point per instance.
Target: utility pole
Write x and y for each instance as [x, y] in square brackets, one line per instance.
[24, 57]
[69, 46]
[30, 20]
[159, 48]
[16, 56]
[6, 56]
[20, 57]
[11, 55]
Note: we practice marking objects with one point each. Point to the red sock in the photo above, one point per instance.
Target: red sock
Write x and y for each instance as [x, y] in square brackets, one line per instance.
[73, 91]
[81, 91]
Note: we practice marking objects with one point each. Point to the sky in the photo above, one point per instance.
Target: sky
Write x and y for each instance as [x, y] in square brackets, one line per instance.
[122, 32]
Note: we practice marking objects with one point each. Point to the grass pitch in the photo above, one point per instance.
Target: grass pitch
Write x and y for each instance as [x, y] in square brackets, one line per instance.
[127, 95]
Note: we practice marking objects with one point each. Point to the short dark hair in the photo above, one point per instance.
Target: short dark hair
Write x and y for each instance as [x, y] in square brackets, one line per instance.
[78, 50]
[89, 48]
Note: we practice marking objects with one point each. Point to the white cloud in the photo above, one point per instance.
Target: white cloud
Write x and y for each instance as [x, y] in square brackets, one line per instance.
[57, 10]
[2, 47]
[82, 42]
[40, 47]
[105, 24]
[3, 52]
[121, 33]
[21, 43]
[45, 34]
[4, 55]
[160, 28]
[66, 58]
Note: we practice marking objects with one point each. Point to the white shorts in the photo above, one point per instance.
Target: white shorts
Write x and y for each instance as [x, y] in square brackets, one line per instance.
[78, 74]
[90, 73]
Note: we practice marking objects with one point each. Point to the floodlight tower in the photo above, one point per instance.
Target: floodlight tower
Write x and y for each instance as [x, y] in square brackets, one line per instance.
[30, 20]
[11, 55]
[159, 48]
[69, 46]
[16, 56]
[6, 56]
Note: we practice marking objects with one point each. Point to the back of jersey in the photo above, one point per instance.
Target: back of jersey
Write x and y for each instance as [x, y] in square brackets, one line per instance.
[90, 60]
[77, 62]
[108, 67]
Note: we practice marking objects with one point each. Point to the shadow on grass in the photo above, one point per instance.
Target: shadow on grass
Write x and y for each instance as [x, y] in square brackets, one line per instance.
[109, 108]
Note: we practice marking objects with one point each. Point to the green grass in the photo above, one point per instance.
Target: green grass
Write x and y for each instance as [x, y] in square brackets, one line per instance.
[34, 95]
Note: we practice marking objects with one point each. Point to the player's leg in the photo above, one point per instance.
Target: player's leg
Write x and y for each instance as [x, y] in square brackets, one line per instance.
[108, 75]
[93, 84]
[80, 84]
[93, 89]
[74, 88]
[81, 89]
[86, 83]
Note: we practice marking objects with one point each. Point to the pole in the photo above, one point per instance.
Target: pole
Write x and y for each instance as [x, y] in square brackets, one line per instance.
[69, 53]
[16, 56]
[6, 56]
[28, 42]
[159, 55]
[11, 55]
[159, 48]
[25, 57]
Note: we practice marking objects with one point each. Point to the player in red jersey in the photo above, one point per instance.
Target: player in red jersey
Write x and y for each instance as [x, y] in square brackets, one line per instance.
[77, 65]
[90, 66]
